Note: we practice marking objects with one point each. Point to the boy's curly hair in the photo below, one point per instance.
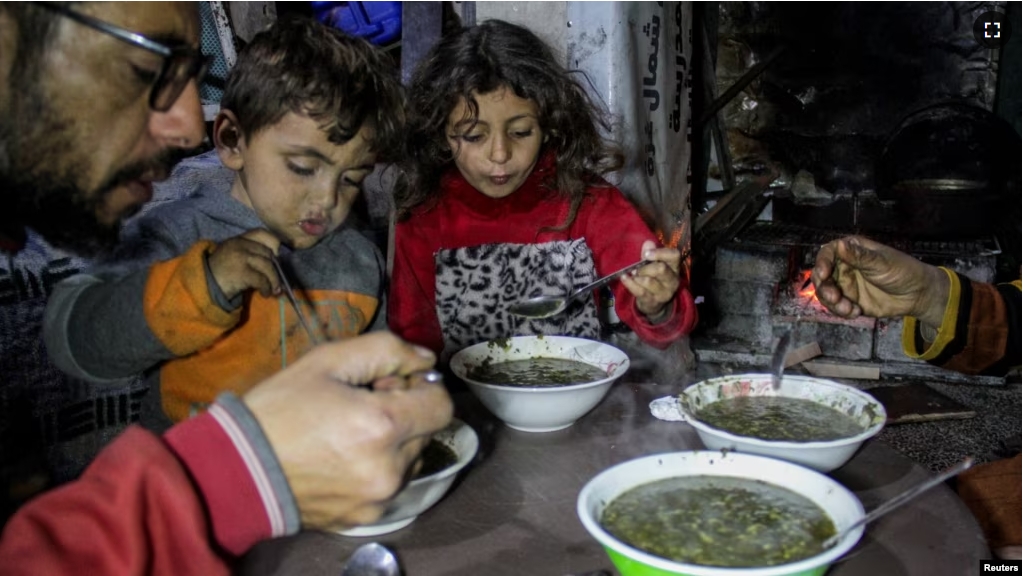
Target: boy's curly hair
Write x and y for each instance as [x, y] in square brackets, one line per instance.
[481, 59]
[299, 65]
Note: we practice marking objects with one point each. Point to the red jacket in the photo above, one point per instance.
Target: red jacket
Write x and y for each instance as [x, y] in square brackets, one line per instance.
[464, 217]
[186, 503]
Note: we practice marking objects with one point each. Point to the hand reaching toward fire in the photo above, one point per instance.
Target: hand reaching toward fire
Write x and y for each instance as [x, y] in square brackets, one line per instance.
[655, 284]
[855, 276]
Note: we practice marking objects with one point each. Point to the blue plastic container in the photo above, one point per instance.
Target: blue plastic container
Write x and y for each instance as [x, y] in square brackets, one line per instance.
[378, 22]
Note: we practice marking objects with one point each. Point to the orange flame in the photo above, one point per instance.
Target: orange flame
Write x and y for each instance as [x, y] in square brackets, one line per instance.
[810, 292]
[672, 240]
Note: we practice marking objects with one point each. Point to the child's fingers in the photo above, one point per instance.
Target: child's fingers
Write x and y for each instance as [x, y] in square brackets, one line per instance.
[265, 238]
[661, 288]
[264, 274]
[648, 301]
[657, 269]
[658, 277]
[239, 264]
[646, 288]
[670, 257]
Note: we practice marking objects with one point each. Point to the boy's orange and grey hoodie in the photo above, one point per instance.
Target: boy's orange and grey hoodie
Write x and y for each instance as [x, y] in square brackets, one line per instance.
[156, 308]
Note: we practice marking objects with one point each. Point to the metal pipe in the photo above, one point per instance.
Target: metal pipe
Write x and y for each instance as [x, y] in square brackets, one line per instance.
[720, 143]
[741, 83]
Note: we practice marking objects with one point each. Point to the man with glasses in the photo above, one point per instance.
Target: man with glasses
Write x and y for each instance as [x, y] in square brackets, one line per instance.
[98, 101]
[77, 156]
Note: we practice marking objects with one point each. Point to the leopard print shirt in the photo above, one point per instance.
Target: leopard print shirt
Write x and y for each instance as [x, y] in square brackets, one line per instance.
[475, 285]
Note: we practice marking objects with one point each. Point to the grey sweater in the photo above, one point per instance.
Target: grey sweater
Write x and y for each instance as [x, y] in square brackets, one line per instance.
[154, 306]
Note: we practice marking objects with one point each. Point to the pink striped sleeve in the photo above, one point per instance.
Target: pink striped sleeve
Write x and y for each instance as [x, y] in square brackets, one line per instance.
[237, 474]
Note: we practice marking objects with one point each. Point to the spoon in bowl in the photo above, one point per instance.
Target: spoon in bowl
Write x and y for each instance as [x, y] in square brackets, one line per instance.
[899, 500]
[781, 351]
[371, 559]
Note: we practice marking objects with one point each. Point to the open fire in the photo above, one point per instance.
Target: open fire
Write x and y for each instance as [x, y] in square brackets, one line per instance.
[807, 291]
[760, 286]
[673, 240]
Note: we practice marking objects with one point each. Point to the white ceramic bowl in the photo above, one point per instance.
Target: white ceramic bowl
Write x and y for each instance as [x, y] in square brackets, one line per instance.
[838, 502]
[822, 456]
[422, 493]
[541, 409]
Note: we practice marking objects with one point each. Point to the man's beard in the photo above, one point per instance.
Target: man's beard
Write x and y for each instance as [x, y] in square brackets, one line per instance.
[37, 168]
[66, 216]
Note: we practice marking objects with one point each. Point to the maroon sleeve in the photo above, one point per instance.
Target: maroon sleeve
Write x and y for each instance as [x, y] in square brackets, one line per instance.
[133, 511]
[615, 232]
[182, 504]
[411, 304]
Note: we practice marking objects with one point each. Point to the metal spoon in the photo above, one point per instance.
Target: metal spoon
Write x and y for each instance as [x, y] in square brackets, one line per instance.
[307, 324]
[781, 350]
[547, 306]
[899, 500]
[371, 559]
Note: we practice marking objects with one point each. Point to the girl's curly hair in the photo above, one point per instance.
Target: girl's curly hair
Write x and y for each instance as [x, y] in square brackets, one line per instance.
[481, 59]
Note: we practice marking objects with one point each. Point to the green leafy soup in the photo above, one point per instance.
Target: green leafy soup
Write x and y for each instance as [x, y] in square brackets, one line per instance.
[536, 372]
[718, 521]
[779, 418]
[436, 456]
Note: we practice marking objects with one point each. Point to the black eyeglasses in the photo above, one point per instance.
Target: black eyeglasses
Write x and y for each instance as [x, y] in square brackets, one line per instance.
[180, 63]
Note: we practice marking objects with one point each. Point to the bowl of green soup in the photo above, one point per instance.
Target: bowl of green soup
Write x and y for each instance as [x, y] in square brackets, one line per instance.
[703, 513]
[444, 456]
[539, 383]
[809, 421]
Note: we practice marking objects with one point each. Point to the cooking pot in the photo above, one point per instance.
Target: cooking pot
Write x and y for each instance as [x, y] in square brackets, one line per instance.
[949, 169]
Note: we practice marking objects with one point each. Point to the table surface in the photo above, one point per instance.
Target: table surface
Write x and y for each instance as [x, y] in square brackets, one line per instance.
[513, 511]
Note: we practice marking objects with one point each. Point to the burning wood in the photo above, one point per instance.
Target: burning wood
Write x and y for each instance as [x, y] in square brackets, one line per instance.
[807, 291]
[671, 240]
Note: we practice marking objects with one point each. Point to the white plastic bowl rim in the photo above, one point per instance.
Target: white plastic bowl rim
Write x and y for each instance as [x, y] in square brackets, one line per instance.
[611, 360]
[859, 405]
[717, 463]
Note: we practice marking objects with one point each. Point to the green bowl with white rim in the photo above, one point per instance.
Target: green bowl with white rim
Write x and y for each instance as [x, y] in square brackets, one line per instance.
[823, 456]
[837, 501]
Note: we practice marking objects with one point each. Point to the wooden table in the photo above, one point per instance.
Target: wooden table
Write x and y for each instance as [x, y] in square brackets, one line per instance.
[512, 513]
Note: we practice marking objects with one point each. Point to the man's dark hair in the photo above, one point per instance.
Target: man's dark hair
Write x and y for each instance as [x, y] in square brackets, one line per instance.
[299, 65]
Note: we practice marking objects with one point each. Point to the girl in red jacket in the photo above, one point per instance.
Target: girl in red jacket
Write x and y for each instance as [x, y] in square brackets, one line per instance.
[503, 199]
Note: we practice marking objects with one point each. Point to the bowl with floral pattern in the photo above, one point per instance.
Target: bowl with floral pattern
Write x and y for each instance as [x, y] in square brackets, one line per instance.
[861, 414]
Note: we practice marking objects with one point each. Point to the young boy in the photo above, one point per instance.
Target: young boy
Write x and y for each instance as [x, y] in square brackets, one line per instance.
[193, 296]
